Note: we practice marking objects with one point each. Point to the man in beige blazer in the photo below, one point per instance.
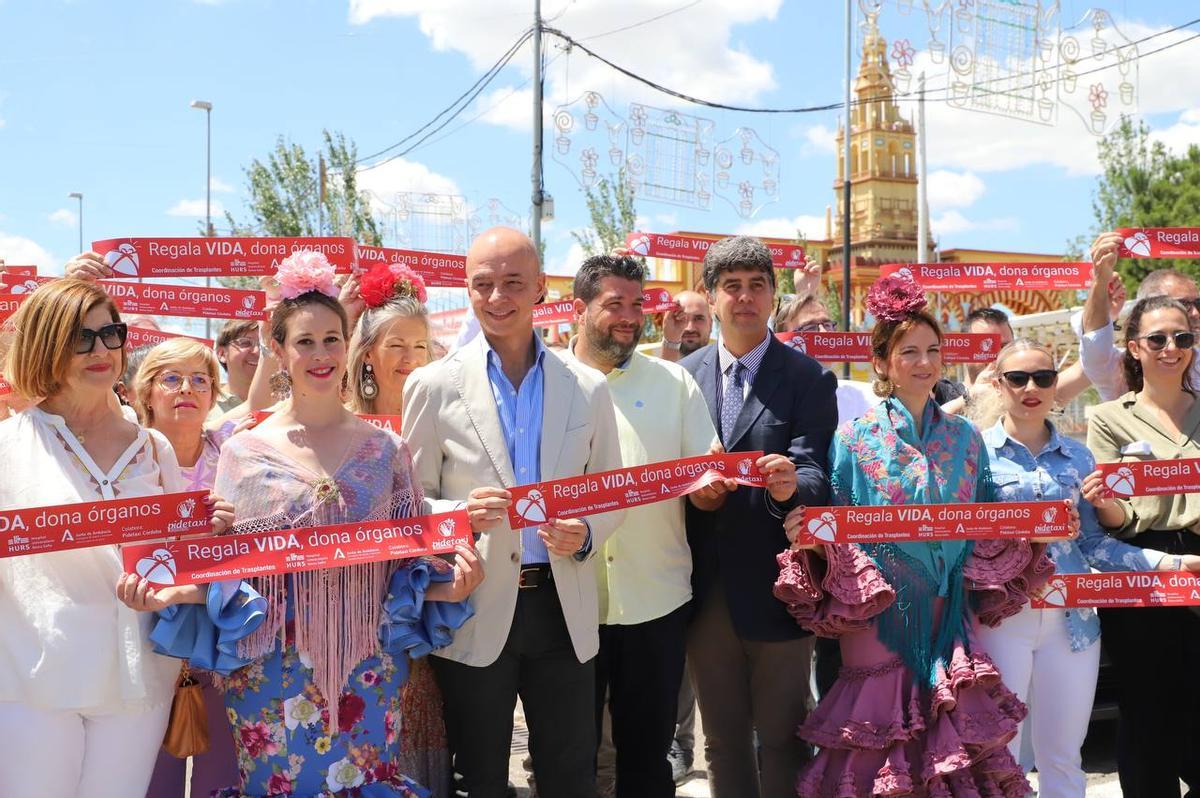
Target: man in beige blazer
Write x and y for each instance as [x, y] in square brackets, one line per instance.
[498, 413]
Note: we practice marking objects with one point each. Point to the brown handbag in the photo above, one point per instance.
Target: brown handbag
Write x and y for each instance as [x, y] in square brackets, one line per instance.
[187, 728]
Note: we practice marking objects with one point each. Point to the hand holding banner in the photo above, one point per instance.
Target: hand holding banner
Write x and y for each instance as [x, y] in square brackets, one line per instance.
[285, 551]
[623, 488]
[1159, 242]
[1046, 276]
[215, 257]
[1133, 589]
[933, 522]
[38, 530]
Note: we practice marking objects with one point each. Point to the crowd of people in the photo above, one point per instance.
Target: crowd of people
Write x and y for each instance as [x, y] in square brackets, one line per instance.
[819, 670]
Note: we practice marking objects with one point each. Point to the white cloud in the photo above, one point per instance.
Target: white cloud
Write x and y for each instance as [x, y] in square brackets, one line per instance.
[691, 50]
[948, 189]
[18, 250]
[1179, 136]
[383, 182]
[64, 216]
[821, 138]
[952, 222]
[569, 263]
[219, 185]
[195, 208]
[809, 226]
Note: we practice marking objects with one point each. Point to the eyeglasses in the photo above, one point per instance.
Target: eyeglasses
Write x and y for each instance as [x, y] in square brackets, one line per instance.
[1042, 378]
[242, 343]
[172, 382]
[816, 326]
[1156, 342]
[112, 335]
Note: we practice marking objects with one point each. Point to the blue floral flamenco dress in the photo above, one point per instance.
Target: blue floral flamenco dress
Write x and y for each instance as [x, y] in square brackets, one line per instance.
[285, 645]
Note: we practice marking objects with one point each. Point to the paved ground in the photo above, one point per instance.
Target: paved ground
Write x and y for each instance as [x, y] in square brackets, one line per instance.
[1099, 762]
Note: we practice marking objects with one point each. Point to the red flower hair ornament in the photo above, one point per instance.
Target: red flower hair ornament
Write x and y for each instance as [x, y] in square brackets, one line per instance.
[388, 280]
[894, 298]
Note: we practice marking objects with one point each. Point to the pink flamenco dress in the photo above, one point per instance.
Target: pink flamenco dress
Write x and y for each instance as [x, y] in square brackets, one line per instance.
[917, 711]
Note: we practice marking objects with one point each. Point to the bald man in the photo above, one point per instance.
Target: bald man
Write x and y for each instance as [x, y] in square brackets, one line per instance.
[493, 415]
[687, 329]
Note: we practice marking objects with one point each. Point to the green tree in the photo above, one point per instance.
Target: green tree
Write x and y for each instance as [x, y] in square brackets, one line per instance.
[610, 205]
[1143, 184]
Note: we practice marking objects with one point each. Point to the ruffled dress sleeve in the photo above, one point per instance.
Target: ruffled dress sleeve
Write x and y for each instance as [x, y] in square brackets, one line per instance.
[207, 634]
[1001, 575]
[411, 625]
[842, 591]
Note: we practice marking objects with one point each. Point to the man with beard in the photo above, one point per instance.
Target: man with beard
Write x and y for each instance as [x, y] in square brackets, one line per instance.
[644, 576]
[687, 329]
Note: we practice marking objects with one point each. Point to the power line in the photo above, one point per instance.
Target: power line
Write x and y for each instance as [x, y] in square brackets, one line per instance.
[476, 87]
[624, 28]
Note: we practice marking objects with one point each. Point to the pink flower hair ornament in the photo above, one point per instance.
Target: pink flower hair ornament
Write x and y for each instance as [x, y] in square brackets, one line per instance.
[306, 271]
[894, 298]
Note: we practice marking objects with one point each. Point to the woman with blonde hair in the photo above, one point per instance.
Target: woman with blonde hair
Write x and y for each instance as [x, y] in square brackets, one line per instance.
[391, 339]
[1050, 658]
[173, 391]
[83, 697]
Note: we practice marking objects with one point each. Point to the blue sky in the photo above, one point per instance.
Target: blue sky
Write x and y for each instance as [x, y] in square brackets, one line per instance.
[94, 98]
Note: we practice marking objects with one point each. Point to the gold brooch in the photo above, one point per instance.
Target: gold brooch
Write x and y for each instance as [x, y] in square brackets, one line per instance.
[326, 490]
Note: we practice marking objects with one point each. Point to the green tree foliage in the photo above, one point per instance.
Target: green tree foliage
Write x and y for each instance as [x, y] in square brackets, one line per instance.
[610, 205]
[1144, 184]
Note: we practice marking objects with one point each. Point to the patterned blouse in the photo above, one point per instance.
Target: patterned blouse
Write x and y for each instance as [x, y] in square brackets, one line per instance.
[1057, 472]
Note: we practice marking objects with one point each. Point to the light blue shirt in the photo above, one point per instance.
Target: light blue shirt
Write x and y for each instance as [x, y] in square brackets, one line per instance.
[520, 411]
[1057, 473]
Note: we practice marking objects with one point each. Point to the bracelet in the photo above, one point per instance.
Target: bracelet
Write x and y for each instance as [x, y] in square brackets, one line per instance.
[674, 346]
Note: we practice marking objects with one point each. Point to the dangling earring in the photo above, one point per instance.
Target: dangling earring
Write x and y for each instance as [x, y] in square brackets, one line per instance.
[883, 387]
[281, 385]
[367, 386]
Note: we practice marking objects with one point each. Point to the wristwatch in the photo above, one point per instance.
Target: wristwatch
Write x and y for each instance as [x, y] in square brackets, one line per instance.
[674, 346]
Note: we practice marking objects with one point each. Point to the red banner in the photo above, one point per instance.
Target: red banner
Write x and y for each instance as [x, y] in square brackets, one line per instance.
[437, 269]
[1151, 477]
[141, 336]
[214, 257]
[1048, 276]
[693, 248]
[389, 423]
[547, 314]
[195, 302]
[1128, 589]
[219, 557]
[931, 522]
[15, 289]
[37, 530]
[628, 487]
[855, 347]
[24, 271]
[1160, 242]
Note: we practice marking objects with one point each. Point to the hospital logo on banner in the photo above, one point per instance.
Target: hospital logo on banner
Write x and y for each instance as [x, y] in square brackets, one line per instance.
[158, 567]
[1138, 244]
[640, 245]
[824, 527]
[123, 260]
[1056, 592]
[532, 508]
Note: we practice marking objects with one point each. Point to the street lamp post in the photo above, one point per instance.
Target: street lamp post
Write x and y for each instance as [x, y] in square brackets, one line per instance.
[206, 107]
[77, 196]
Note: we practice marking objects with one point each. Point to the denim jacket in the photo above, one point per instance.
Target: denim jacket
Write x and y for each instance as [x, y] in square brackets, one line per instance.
[1057, 472]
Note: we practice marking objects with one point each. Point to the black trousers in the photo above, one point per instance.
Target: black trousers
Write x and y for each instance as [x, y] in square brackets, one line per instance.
[1156, 654]
[557, 691]
[641, 667]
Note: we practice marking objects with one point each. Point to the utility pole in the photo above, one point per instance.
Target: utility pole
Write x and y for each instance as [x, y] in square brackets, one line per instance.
[535, 219]
[206, 107]
[922, 197]
[846, 185]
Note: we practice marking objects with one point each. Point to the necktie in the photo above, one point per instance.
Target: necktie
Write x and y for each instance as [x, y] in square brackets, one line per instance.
[731, 402]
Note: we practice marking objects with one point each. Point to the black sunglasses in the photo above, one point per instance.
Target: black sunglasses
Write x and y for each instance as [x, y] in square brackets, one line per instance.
[1156, 342]
[112, 335]
[1042, 378]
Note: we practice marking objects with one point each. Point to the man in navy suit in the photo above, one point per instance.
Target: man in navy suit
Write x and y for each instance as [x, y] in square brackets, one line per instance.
[749, 658]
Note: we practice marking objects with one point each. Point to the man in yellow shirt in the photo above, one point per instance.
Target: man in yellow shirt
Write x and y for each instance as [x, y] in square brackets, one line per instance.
[645, 568]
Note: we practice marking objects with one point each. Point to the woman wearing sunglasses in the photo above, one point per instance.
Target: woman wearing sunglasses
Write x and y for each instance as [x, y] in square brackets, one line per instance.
[1050, 658]
[1155, 651]
[174, 391]
[83, 697]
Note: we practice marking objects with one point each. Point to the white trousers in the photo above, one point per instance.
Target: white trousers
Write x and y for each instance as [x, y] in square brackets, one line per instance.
[1032, 649]
[61, 754]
